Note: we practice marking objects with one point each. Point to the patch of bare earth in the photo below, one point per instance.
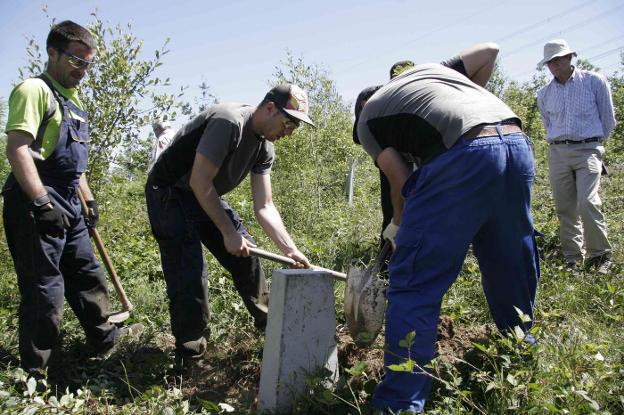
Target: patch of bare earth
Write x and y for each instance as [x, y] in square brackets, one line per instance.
[454, 341]
[452, 344]
[230, 371]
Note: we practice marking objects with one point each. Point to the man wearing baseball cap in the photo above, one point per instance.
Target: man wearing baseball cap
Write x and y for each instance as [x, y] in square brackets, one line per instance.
[207, 158]
[578, 115]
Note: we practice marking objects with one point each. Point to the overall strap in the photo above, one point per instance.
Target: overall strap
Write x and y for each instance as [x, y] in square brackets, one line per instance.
[35, 148]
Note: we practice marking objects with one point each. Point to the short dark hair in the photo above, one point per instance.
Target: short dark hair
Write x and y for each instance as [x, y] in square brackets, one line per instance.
[67, 31]
[362, 97]
[399, 67]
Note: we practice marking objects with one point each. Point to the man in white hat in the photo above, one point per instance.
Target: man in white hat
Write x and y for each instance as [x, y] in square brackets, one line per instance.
[578, 115]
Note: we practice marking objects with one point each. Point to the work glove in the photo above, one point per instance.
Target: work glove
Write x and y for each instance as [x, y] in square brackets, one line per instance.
[93, 214]
[390, 233]
[50, 220]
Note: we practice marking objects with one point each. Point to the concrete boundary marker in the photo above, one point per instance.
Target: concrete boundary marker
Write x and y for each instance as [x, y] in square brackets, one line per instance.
[300, 337]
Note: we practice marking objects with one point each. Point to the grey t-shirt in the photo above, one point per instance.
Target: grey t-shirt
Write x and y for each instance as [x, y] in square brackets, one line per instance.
[224, 135]
[426, 108]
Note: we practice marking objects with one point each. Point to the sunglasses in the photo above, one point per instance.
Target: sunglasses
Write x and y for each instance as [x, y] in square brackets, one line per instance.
[289, 121]
[75, 61]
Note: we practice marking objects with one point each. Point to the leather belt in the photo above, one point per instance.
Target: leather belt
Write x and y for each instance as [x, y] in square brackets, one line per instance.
[488, 130]
[587, 140]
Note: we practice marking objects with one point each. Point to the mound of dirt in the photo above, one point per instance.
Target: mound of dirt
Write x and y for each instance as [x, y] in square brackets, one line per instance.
[452, 344]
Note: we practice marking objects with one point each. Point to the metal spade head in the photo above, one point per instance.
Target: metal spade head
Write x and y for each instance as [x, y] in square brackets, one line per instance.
[118, 317]
[365, 301]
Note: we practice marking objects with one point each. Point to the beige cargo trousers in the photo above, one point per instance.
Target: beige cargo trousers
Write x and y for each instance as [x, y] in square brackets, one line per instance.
[575, 178]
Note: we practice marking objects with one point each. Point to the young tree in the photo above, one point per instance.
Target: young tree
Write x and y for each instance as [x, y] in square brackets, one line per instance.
[119, 93]
[4, 164]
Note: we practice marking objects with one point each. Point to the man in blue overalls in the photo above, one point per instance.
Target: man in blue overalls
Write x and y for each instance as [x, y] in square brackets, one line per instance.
[45, 229]
[473, 186]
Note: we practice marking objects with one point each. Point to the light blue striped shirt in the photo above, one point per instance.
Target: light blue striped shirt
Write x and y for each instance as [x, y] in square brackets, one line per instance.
[579, 109]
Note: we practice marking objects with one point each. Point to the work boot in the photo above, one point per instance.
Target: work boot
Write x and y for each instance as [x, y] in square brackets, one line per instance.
[602, 263]
[192, 349]
[129, 333]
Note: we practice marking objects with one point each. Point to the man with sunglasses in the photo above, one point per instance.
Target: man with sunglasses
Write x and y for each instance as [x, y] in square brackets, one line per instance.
[207, 158]
[47, 136]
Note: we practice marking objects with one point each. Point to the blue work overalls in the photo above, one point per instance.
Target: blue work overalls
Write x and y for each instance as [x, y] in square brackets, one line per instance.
[478, 192]
[50, 268]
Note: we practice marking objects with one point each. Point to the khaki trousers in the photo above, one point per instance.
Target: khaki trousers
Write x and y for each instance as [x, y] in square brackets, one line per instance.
[575, 179]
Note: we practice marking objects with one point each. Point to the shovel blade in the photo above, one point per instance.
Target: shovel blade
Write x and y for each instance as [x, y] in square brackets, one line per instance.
[119, 317]
[364, 304]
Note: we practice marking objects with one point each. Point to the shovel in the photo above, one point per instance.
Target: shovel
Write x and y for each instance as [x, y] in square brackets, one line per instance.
[365, 300]
[126, 305]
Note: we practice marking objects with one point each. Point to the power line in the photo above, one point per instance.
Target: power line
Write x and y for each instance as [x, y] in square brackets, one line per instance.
[439, 29]
[605, 54]
[542, 22]
[602, 43]
[462, 19]
[570, 28]
[590, 60]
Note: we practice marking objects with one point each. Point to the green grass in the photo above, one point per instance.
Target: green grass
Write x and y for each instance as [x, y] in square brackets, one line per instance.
[577, 368]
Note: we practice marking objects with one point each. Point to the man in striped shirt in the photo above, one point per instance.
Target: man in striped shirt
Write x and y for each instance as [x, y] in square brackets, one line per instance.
[578, 115]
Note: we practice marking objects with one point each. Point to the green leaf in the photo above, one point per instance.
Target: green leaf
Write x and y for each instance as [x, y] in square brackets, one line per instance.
[358, 369]
[408, 340]
[406, 366]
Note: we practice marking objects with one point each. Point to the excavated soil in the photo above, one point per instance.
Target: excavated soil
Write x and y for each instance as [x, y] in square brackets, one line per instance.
[233, 375]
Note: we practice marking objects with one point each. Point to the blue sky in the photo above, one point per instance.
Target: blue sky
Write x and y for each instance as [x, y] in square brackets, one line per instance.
[234, 46]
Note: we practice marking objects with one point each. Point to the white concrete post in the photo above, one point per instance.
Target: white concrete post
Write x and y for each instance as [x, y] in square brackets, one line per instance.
[300, 336]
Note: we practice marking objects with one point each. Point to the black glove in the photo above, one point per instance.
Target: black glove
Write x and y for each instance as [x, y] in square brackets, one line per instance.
[93, 214]
[50, 220]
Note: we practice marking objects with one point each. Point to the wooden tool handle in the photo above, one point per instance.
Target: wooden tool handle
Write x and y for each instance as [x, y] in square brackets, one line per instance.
[123, 298]
[289, 261]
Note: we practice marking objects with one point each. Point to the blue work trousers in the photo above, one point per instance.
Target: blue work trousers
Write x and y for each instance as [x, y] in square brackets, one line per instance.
[479, 192]
[49, 268]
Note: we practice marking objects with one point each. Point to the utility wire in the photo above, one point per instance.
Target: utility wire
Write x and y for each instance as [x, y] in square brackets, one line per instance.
[439, 29]
[601, 43]
[591, 60]
[570, 28]
[462, 19]
[542, 22]
[605, 54]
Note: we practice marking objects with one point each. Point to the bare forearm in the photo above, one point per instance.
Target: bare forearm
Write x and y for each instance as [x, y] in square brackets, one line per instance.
[24, 170]
[272, 224]
[211, 204]
[397, 204]
[479, 61]
[84, 188]
[397, 171]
